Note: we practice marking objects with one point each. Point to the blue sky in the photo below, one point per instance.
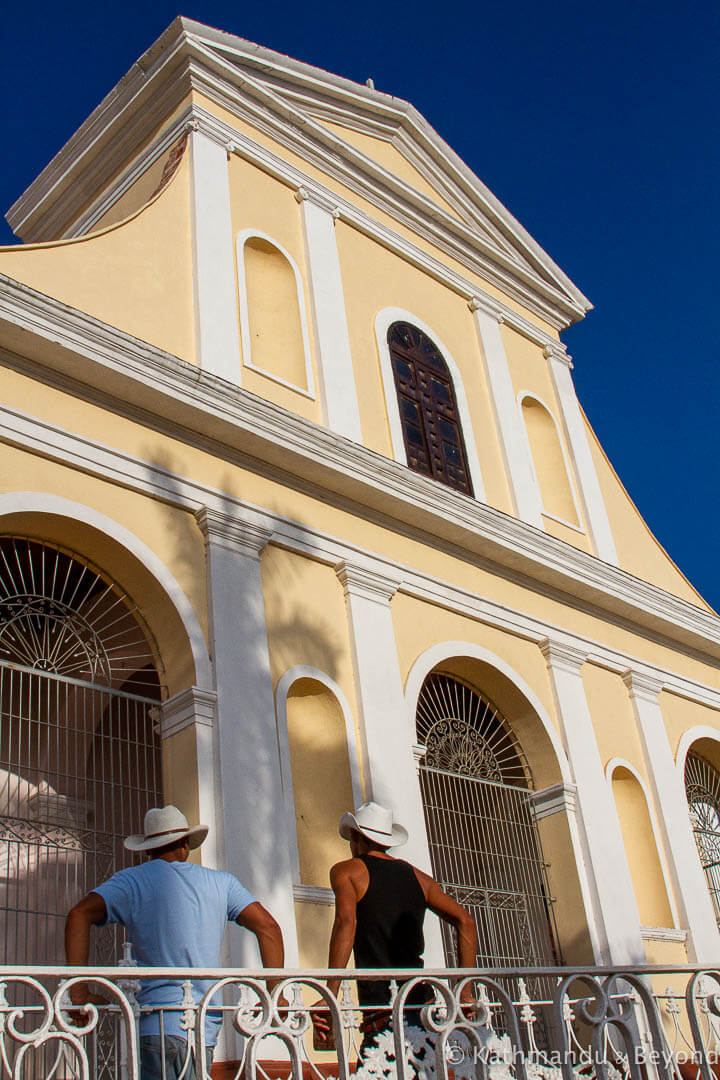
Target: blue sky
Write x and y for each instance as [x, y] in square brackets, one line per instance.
[595, 124]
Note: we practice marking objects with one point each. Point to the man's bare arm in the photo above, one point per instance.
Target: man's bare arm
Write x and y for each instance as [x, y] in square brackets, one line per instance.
[342, 937]
[87, 913]
[268, 933]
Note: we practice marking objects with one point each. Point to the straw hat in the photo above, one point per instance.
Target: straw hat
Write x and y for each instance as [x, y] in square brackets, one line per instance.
[163, 825]
[376, 823]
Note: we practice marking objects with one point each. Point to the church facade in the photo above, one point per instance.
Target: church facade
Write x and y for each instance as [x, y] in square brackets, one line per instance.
[299, 508]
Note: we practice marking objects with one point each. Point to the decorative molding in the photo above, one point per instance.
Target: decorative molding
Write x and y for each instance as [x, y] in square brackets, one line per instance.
[557, 351]
[419, 751]
[318, 198]
[314, 894]
[485, 304]
[186, 709]
[563, 657]
[247, 536]
[663, 933]
[643, 687]
[368, 582]
[559, 798]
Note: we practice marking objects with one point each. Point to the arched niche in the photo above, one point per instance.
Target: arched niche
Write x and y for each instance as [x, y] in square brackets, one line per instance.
[273, 318]
[638, 827]
[550, 462]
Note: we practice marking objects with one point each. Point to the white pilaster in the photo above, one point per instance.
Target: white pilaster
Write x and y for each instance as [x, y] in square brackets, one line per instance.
[196, 708]
[513, 436]
[668, 789]
[596, 515]
[337, 378]
[215, 288]
[388, 758]
[256, 842]
[613, 920]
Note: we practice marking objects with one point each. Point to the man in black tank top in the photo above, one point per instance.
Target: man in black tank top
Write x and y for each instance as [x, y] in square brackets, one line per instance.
[380, 905]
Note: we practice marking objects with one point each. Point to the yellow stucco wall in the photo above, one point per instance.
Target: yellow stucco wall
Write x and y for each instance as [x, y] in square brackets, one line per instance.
[641, 849]
[612, 716]
[136, 275]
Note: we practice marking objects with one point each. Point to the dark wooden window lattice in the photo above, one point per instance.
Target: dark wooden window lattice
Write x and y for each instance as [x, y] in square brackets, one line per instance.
[428, 408]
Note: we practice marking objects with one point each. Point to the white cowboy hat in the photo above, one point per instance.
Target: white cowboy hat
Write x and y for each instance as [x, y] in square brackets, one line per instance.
[163, 825]
[376, 823]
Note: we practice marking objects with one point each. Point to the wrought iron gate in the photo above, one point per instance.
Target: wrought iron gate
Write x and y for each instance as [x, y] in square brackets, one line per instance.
[476, 787]
[702, 787]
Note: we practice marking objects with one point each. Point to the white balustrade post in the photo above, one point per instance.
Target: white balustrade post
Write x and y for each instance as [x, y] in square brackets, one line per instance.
[337, 378]
[214, 279]
[614, 921]
[668, 789]
[386, 742]
[195, 708]
[514, 441]
[257, 846]
[596, 514]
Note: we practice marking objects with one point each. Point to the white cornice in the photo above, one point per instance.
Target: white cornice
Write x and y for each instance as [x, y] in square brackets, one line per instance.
[186, 709]
[367, 582]
[126, 120]
[231, 531]
[89, 359]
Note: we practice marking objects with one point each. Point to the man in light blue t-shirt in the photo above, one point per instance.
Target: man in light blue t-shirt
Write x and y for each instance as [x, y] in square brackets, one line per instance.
[175, 913]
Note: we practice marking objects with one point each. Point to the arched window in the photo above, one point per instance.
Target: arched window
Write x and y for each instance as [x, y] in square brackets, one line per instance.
[477, 789]
[81, 757]
[702, 786]
[428, 408]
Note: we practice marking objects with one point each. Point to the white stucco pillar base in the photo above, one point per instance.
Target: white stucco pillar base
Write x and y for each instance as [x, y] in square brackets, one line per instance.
[386, 747]
[615, 929]
[257, 848]
[668, 788]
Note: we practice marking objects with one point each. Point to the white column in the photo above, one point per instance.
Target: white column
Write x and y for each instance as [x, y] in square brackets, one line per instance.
[668, 788]
[337, 378]
[596, 514]
[615, 928]
[513, 436]
[214, 281]
[195, 708]
[256, 842]
[386, 744]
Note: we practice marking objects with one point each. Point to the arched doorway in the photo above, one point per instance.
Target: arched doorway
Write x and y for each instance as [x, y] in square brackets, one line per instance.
[80, 757]
[477, 787]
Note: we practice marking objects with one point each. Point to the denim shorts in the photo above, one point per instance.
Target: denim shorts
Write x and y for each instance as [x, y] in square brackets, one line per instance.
[174, 1051]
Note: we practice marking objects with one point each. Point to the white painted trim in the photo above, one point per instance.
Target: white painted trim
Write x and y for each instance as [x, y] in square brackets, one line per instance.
[596, 514]
[383, 321]
[144, 476]
[243, 236]
[285, 683]
[700, 731]
[217, 341]
[335, 366]
[621, 763]
[525, 395]
[511, 431]
[39, 503]
[446, 650]
[314, 894]
[663, 933]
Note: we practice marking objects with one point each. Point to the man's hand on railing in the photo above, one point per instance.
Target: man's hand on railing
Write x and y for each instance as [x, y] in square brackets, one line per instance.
[323, 1036]
[80, 996]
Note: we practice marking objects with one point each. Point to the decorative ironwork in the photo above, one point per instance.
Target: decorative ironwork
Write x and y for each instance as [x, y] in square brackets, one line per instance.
[57, 614]
[484, 845]
[606, 1025]
[702, 786]
[428, 408]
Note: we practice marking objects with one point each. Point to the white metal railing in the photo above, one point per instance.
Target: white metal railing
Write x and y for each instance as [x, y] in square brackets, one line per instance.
[524, 1024]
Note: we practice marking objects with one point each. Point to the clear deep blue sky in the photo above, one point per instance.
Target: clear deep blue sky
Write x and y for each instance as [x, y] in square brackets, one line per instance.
[595, 124]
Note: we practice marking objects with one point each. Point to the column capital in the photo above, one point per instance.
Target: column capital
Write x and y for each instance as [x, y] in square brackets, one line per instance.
[189, 707]
[486, 306]
[557, 351]
[324, 200]
[564, 657]
[554, 800]
[643, 687]
[367, 582]
[247, 537]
